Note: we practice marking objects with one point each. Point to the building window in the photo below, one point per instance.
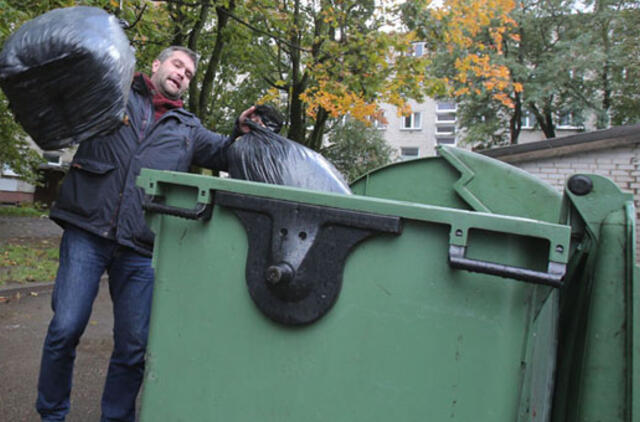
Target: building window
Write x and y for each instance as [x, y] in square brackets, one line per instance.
[527, 120]
[445, 117]
[52, 159]
[445, 130]
[446, 140]
[569, 120]
[417, 49]
[407, 153]
[8, 171]
[446, 106]
[412, 121]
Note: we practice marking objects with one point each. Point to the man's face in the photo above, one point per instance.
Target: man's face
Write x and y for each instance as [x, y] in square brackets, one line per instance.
[172, 76]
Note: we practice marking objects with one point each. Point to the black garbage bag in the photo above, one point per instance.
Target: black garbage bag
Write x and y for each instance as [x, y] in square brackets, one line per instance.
[264, 156]
[67, 75]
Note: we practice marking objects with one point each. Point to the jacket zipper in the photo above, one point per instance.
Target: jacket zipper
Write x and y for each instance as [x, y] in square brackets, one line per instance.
[145, 120]
[141, 137]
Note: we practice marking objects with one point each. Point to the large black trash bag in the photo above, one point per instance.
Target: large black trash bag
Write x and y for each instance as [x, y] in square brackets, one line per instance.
[264, 156]
[67, 75]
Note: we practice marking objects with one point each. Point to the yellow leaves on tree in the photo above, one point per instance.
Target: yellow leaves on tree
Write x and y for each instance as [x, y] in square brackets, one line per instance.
[465, 21]
[337, 100]
[495, 78]
[271, 96]
[370, 69]
[468, 18]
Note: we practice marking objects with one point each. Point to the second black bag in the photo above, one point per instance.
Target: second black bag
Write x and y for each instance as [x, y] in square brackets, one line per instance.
[264, 156]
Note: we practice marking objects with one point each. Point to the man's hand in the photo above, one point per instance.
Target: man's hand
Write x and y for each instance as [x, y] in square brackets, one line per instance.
[250, 114]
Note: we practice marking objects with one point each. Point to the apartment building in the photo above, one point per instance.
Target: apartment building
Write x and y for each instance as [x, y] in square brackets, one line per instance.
[434, 122]
[431, 123]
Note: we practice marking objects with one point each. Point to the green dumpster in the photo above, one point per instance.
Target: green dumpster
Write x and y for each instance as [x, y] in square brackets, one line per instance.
[449, 288]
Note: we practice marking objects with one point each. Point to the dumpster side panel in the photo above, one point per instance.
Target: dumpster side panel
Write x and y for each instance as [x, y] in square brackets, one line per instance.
[538, 386]
[597, 352]
[198, 266]
[602, 390]
[408, 339]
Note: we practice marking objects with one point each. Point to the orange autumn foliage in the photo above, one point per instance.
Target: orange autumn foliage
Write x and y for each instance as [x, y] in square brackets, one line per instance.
[464, 21]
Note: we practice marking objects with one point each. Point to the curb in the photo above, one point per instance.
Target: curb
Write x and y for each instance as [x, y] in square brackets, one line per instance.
[25, 289]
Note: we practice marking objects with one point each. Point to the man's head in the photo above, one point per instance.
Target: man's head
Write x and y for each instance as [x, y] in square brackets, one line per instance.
[172, 70]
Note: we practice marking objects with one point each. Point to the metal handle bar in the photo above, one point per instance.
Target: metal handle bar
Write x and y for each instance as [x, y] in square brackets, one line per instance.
[553, 277]
[199, 212]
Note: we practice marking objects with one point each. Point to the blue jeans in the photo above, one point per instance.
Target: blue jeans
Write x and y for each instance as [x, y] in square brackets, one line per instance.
[84, 257]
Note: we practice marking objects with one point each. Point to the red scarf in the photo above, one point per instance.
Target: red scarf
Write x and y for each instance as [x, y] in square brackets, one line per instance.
[161, 104]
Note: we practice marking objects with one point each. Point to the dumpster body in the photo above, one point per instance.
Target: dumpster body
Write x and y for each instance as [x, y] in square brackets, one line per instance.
[450, 288]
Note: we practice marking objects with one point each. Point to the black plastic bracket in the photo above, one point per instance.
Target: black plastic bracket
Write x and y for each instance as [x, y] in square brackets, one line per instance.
[297, 252]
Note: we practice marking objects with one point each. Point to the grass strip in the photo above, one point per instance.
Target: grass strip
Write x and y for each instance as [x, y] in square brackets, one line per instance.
[29, 262]
[22, 211]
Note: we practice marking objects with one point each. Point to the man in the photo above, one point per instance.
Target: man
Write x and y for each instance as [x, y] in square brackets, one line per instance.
[100, 209]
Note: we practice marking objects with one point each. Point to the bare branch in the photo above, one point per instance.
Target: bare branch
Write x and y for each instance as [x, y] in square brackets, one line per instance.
[135, 22]
[186, 3]
[237, 19]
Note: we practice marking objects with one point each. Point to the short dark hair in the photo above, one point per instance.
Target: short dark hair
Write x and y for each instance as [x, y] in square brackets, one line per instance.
[167, 52]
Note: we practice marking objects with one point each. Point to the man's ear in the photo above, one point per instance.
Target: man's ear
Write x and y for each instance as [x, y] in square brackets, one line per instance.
[155, 66]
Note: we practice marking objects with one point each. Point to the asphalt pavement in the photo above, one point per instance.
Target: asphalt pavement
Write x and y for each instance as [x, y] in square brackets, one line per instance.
[25, 312]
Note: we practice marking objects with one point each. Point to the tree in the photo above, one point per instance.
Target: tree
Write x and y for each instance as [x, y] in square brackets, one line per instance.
[551, 59]
[467, 42]
[319, 59]
[325, 59]
[549, 62]
[13, 146]
[621, 38]
[566, 60]
[356, 148]
[15, 152]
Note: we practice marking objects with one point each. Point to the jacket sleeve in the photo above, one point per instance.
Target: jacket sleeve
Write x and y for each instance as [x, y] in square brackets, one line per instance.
[210, 148]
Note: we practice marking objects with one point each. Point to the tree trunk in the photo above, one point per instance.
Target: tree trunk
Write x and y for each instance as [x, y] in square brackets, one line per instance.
[178, 17]
[214, 62]
[194, 36]
[296, 114]
[296, 109]
[315, 140]
[544, 119]
[602, 121]
[515, 123]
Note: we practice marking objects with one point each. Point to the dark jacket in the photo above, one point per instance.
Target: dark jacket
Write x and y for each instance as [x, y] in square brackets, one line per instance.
[99, 193]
